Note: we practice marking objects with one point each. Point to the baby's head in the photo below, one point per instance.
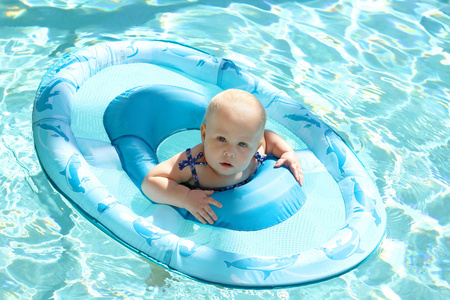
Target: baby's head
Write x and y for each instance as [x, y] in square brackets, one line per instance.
[233, 130]
[240, 104]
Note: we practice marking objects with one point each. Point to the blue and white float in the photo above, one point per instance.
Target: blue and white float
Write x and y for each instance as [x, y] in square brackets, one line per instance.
[104, 115]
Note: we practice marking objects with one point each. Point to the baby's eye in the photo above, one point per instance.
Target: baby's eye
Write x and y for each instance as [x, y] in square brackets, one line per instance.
[242, 144]
[221, 139]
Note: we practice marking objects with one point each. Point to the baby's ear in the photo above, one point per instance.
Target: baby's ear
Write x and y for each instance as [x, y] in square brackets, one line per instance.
[203, 131]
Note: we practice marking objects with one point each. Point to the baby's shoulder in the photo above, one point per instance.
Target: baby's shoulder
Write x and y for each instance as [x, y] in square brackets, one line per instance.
[192, 157]
[183, 155]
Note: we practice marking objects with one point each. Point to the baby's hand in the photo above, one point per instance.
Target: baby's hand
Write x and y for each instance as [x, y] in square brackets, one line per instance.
[198, 203]
[290, 160]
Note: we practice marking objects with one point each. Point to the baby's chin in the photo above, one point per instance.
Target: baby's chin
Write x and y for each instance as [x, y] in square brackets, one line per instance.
[226, 172]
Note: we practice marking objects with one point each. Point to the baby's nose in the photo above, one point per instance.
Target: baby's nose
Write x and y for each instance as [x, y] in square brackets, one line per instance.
[229, 152]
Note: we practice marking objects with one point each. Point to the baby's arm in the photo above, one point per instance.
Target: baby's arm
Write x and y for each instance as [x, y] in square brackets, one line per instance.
[277, 146]
[162, 185]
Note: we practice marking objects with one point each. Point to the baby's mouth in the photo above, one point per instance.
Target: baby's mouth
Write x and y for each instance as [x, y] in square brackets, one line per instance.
[226, 165]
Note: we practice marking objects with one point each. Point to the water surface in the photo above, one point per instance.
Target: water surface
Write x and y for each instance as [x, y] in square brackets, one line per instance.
[378, 71]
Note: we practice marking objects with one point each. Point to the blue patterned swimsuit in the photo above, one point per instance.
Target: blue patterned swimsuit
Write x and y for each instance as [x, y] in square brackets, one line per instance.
[192, 161]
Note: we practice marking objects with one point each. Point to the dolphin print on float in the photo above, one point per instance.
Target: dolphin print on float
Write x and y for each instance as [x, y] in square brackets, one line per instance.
[49, 91]
[336, 149]
[74, 174]
[348, 243]
[266, 266]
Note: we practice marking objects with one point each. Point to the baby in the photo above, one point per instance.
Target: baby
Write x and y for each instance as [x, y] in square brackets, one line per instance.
[234, 145]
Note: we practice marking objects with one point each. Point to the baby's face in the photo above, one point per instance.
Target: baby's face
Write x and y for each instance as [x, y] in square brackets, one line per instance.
[231, 139]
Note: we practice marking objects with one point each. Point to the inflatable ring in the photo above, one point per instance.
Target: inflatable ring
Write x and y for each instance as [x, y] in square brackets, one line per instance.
[88, 171]
[139, 119]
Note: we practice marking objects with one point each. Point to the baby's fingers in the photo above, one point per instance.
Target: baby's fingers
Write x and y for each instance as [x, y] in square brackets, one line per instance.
[296, 169]
[209, 192]
[210, 215]
[280, 162]
[201, 218]
[206, 216]
[210, 200]
[299, 177]
[214, 202]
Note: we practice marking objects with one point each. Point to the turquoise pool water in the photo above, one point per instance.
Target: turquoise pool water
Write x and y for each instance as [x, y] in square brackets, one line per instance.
[378, 71]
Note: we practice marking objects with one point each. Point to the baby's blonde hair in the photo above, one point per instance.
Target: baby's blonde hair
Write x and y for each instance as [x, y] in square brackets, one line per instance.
[236, 96]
